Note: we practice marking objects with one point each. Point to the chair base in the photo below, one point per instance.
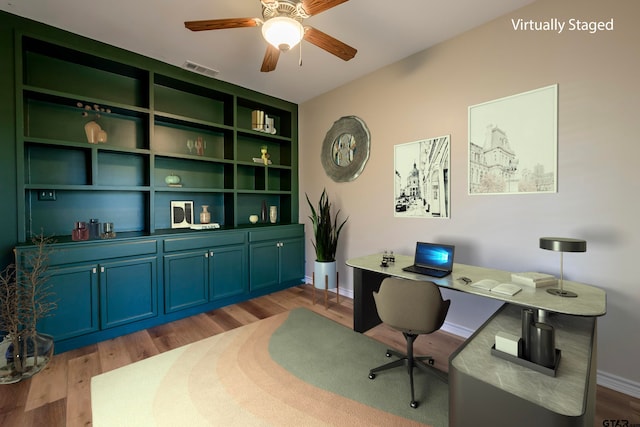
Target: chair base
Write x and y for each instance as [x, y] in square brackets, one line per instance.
[424, 363]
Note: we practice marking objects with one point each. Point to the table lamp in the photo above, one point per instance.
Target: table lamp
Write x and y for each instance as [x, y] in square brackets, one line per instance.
[562, 245]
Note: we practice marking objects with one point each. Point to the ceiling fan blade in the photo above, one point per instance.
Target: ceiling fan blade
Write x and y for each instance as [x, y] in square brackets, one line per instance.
[328, 43]
[220, 24]
[270, 59]
[313, 7]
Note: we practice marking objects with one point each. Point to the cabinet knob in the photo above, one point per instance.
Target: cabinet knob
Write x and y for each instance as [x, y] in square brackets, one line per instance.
[94, 270]
[206, 254]
[210, 253]
[101, 269]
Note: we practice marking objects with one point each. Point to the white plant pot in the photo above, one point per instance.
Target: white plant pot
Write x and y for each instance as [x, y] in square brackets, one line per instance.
[322, 269]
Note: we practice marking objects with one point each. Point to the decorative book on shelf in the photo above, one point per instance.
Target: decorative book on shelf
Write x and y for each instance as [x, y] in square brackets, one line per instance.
[509, 289]
[534, 280]
[211, 226]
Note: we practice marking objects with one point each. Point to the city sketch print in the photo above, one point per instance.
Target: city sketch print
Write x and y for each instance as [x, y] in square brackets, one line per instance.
[513, 144]
[421, 182]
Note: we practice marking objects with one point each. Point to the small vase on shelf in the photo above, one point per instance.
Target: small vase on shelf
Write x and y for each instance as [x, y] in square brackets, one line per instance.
[205, 215]
[263, 212]
[273, 214]
[92, 129]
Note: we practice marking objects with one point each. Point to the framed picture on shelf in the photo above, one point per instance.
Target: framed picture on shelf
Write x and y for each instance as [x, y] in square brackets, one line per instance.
[513, 144]
[421, 178]
[181, 214]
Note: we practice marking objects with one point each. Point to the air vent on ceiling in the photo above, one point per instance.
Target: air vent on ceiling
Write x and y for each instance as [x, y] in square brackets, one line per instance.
[200, 69]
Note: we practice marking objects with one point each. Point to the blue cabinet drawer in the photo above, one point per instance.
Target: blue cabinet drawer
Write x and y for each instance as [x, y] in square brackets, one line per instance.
[77, 252]
[209, 240]
[277, 233]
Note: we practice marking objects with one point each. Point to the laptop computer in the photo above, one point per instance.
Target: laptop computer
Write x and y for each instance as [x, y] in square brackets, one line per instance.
[432, 259]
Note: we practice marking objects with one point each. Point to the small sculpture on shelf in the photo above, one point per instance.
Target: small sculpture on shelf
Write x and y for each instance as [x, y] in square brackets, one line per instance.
[173, 180]
[265, 156]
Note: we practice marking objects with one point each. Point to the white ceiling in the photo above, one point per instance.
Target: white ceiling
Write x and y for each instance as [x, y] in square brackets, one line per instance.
[383, 32]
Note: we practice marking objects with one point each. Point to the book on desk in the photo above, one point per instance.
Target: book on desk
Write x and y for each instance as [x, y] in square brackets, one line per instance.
[509, 289]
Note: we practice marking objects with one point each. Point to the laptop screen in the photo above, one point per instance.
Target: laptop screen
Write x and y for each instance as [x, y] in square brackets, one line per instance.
[432, 255]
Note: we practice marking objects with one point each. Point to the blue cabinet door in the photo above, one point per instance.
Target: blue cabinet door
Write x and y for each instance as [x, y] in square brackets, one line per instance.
[75, 291]
[128, 291]
[228, 270]
[186, 280]
[264, 262]
[291, 260]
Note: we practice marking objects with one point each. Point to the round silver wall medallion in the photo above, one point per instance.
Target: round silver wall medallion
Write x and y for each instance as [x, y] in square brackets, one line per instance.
[345, 149]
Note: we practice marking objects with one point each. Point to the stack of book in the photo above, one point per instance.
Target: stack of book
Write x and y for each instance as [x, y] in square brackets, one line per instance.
[534, 280]
[262, 122]
[257, 120]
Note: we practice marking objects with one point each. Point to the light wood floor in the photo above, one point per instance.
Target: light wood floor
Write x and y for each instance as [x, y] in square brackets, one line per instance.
[60, 395]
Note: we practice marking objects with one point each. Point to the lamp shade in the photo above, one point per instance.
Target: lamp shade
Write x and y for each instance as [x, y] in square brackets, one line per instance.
[282, 32]
[563, 244]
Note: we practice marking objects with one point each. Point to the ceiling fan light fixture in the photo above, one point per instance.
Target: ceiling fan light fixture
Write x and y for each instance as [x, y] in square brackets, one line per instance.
[282, 32]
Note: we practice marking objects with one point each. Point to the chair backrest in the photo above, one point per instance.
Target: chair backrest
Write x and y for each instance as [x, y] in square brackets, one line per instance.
[411, 306]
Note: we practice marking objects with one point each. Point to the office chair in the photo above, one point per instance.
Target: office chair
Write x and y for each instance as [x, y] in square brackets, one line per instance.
[414, 308]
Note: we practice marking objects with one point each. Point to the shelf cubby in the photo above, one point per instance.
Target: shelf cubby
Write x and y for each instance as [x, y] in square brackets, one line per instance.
[278, 179]
[48, 165]
[59, 118]
[249, 147]
[181, 98]
[176, 137]
[196, 174]
[50, 66]
[281, 118]
[251, 177]
[122, 169]
[218, 203]
[251, 204]
[126, 209]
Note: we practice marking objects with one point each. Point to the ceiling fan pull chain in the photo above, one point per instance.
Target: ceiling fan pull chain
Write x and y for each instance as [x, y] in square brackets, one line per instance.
[300, 60]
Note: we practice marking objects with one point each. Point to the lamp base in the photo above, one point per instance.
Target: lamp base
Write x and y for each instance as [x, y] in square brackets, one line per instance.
[562, 293]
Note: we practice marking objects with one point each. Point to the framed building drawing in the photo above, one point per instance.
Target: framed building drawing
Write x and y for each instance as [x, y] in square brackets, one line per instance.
[513, 144]
[421, 180]
[181, 214]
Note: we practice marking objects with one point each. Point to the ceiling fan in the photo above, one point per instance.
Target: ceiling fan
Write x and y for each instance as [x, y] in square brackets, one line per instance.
[282, 28]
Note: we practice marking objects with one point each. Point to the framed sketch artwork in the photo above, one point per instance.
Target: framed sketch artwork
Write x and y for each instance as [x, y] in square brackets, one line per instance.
[181, 214]
[421, 181]
[513, 144]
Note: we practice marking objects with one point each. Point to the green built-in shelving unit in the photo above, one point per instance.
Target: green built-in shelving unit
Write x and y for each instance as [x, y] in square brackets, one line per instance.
[159, 120]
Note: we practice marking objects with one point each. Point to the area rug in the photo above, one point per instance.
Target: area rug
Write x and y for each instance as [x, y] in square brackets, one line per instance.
[293, 369]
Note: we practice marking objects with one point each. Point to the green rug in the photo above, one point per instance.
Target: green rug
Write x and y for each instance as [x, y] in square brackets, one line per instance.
[329, 356]
[292, 369]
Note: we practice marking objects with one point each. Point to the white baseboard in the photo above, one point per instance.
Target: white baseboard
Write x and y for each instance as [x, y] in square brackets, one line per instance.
[619, 384]
[458, 330]
[604, 379]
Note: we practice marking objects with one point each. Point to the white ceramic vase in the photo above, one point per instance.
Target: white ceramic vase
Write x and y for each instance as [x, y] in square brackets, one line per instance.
[322, 270]
[273, 214]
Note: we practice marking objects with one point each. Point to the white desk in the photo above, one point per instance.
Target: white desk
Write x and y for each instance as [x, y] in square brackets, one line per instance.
[368, 274]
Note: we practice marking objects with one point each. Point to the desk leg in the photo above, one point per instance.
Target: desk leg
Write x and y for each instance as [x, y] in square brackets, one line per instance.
[365, 315]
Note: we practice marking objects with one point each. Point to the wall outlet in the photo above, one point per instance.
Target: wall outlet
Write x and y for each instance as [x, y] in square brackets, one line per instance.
[45, 195]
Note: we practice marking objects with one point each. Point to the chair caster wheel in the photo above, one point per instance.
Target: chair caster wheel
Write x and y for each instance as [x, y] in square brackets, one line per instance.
[372, 376]
[414, 404]
[431, 362]
[387, 354]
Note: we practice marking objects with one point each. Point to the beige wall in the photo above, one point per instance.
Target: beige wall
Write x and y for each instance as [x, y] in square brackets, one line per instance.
[427, 95]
